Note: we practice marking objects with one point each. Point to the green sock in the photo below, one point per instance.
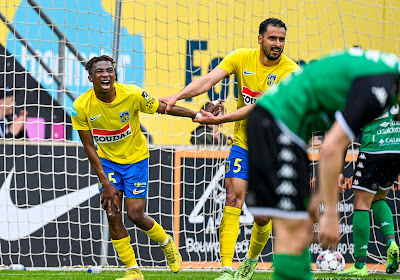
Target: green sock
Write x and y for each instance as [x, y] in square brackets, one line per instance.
[359, 265]
[384, 218]
[292, 267]
[361, 233]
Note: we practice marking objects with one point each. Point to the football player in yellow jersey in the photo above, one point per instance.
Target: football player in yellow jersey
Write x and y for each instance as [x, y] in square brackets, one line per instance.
[109, 114]
[256, 70]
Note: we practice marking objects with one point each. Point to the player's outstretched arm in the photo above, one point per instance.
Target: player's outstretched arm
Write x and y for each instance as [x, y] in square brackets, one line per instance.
[239, 114]
[176, 111]
[197, 87]
[109, 191]
[330, 166]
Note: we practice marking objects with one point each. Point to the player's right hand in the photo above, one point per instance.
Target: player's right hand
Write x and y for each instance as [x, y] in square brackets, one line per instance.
[215, 107]
[170, 101]
[110, 198]
[329, 229]
[206, 118]
[341, 183]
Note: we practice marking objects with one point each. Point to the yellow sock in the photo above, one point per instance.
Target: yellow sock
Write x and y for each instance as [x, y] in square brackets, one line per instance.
[157, 233]
[259, 237]
[228, 234]
[125, 251]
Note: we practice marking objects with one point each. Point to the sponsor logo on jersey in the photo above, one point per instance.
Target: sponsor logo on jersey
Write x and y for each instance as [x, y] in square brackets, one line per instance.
[109, 136]
[248, 73]
[271, 79]
[384, 124]
[393, 128]
[124, 116]
[249, 96]
[94, 118]
[391, 141]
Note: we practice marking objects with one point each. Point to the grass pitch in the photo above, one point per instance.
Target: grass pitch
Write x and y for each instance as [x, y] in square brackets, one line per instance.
[155, 275]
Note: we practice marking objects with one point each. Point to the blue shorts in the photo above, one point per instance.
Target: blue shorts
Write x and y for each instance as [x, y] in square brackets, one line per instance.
[132, 179]
[237, 164]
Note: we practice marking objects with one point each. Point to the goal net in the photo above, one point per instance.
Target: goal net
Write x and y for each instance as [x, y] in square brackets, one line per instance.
[51, 212]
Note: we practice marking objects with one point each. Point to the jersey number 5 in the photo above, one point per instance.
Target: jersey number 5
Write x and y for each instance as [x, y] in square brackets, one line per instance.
[237, 165]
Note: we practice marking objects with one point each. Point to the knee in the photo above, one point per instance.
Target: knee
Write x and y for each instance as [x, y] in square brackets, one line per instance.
[234, 198]
[115, 219]
[230, 198]
[261, 221]
[136, 217]
[114, 216]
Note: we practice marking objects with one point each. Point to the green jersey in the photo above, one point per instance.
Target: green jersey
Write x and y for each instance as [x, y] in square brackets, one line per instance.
[383, 134]
[311, 99]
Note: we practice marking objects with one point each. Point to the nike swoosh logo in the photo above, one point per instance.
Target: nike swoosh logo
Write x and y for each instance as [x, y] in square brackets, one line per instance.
[17, 223]
[248, 73]
[135, 191]
[96, 117]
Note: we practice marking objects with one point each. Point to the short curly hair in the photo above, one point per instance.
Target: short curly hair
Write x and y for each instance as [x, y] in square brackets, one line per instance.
[95, 59]
[270, 21]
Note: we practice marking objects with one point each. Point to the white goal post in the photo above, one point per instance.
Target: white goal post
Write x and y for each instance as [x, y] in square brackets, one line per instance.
[49, 202]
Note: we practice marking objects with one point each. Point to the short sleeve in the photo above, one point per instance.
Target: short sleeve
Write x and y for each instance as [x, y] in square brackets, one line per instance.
[228, 63]
[78, 117]
[147, 103]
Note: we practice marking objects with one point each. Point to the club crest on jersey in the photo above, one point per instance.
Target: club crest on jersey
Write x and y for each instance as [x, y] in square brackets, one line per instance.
[109, 136]
[124, 116]
[271, 79]
[227, 166]
[249, 96]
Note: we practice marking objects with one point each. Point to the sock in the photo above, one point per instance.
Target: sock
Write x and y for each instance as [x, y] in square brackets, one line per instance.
[361, 228]
[125, 251]
[292, 267]
[228, 234]
[259, 237]
[157, 233]
[384, 218]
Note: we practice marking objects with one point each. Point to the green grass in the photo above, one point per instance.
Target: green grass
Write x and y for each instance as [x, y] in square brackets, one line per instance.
[153, 275]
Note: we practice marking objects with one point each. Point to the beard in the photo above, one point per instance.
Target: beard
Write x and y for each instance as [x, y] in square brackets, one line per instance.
[269, 55]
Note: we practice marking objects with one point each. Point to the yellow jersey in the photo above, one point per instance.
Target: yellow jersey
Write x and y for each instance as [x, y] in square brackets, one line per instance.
[115, 126]
[253, 79]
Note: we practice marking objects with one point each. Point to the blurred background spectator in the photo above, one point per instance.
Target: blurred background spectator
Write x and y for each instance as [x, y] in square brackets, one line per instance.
[11, 124]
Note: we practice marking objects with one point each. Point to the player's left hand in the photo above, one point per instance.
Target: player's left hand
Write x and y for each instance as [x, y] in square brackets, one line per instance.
[207, 118]
[215, 109]
[313, 206]
[329, 229]
[341, 183]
